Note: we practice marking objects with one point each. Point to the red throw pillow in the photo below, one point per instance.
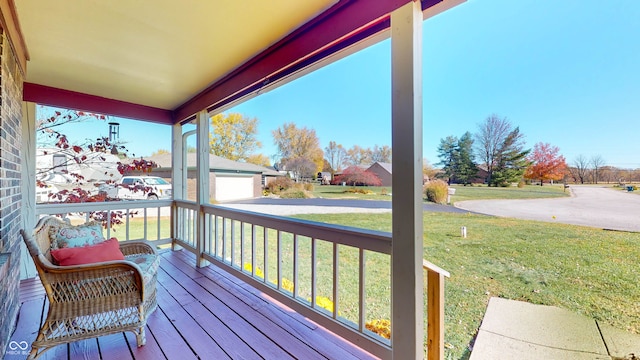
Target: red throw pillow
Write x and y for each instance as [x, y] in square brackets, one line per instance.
[105, 251]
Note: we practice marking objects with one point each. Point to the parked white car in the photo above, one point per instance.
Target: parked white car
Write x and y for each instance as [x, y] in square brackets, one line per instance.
[143, 187]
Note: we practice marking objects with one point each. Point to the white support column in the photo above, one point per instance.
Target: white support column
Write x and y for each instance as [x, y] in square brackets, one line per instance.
[178, 177]
[178, 165]
[28, 187]
[203, 169]
[203, 157]
[406, 261]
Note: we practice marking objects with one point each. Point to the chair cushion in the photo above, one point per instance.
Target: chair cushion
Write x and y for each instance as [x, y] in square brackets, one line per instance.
[76, 236]
[148, 263]
[104, 251]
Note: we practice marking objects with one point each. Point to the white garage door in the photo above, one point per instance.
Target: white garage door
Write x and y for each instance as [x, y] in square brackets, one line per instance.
[233, 187]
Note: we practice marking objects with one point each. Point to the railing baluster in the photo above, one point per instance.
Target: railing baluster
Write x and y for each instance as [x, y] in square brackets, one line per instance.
[213, 237]
[241, 244]
[266, 256]
[183, 224]
[173, 219]
[313, 272]
[295, 266]
[187, 226]
[211, 233]
[158, 223]
[253, 250]
[217, 237]
[186, 216]
[335, 280]
[279, 260]
[233, 242]
[224, 239]
[191, 228]
[362, 303]
[194, 228]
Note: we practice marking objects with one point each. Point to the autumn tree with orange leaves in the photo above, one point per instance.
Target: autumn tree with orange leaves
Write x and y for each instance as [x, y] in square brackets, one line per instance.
[546, 163]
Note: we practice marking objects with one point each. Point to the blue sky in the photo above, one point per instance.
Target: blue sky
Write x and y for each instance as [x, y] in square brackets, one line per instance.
[566, 72]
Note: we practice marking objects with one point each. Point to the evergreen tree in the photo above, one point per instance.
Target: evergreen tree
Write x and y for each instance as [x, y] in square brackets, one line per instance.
[448, 154]
[457, 159]
[466, 169]
[511, 160]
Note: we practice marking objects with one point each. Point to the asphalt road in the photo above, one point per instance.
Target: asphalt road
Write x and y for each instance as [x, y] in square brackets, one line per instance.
[593, 206]
[319, 206]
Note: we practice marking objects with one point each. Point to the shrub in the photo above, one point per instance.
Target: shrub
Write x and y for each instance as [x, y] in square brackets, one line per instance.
[277, 185]
[294, 193]
[354, 190]
[436, 191]
[308, 187]
[356, 176]
[521, 184]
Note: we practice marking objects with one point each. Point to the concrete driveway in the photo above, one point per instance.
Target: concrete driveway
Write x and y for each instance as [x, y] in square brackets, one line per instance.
[593, 206]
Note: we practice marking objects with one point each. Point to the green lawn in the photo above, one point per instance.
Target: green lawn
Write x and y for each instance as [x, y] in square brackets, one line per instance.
[344, 192]
[527, 192]
[588, 271]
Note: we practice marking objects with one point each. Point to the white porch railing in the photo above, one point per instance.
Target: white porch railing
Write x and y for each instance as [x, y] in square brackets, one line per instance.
[147, 220]
[287, 259]
[299, 263]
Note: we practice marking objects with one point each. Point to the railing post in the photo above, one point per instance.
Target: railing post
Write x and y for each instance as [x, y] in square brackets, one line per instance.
[407, 279]
[203, 167]
[435, 310]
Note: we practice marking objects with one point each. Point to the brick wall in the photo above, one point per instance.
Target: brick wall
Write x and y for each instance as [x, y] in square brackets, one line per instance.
[10, 194]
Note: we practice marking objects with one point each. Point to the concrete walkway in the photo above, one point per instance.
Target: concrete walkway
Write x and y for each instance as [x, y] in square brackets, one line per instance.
[594, 206]
[519, 330]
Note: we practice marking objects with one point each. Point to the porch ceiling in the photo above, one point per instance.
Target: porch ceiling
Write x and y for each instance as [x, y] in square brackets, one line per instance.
[165, 60]
[155, 53]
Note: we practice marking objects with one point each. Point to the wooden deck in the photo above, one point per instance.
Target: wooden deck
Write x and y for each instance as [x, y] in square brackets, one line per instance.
[202, 314]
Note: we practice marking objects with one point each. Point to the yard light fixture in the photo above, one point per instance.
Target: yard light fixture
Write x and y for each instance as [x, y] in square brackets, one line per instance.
[114, 136]
[114, 131]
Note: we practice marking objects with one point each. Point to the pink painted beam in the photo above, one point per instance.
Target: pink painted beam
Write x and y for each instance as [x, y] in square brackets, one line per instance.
[51, 96]
[341, 22]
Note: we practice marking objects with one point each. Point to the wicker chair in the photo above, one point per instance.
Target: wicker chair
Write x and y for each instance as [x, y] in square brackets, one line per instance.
[91, 300]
